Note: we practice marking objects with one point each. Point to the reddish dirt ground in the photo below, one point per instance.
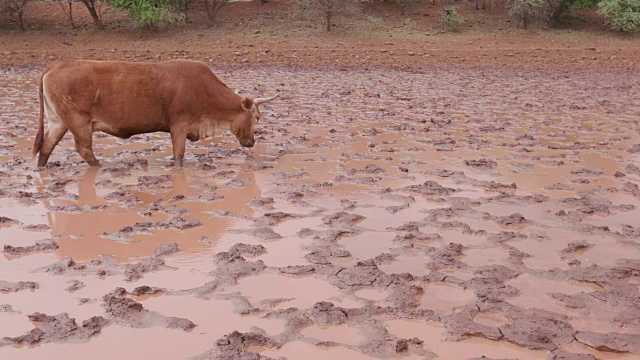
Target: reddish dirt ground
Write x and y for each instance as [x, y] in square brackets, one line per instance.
[268, 36]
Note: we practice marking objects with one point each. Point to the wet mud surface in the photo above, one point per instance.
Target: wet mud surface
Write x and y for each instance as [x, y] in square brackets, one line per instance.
[452, 214]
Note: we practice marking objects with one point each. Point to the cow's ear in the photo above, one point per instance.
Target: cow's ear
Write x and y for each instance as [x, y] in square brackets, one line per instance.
[247, 104]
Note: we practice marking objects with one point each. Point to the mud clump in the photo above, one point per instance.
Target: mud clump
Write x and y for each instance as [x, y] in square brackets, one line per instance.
[131, 313]
[42, 245]
[166, 249]
[5, 308]
[274, 218]
[136, 271]
[148, 180]
[266, 233]
[577, 246]
[325, 313]
[460, 325]
[37, 227]
[265, 202]
[234, 345]
[172, 223]
[446, 256]
[429, 188]
[147, 290]
[615, 342]
[60, 267]
[590, 205]
[634, 169]
[481, 163]
[104, 266]
[231, 265]
[537, 329]
[74, 285]
[513, 219]
[8, 221]
[632, 189]
[241, 249]
[369, 169]
[342, 217]
[59, 329]
[297, 270]
[12, 287]
[364, 273]
[565, 355]
[629, 231]
[175, 222]
[65, 208]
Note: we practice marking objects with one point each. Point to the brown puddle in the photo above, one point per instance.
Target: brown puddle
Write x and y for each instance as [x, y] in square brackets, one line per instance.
[296, 348]
[372, 294]
[339, 334]
[535, 293]
[303, 292]
[433, 336]
[319, 197]
[443, 298]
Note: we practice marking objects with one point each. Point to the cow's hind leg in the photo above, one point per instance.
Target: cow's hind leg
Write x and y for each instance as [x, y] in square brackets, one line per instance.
[84, 144]
[178, 140]
[52, 137]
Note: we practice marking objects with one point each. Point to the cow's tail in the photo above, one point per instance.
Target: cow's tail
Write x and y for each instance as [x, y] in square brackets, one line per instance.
[37, 144]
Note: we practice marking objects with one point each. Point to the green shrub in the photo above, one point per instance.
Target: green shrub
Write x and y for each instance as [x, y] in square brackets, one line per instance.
[583, 4]
[150, 14]
[548, 12]
[452, 19]
[621, 15]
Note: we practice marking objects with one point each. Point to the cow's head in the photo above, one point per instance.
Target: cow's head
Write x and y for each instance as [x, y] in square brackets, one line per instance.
[242, 126]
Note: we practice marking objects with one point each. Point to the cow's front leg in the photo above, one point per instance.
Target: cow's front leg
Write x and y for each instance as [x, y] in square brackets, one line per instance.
[178, 139]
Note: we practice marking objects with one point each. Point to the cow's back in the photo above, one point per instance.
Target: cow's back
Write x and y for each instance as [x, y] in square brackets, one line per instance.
[198, 89]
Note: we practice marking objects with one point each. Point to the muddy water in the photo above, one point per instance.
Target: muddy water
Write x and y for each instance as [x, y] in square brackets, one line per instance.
[500, 203]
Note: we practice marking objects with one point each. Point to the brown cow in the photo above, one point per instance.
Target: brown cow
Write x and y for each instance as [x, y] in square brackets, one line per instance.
[123, 99]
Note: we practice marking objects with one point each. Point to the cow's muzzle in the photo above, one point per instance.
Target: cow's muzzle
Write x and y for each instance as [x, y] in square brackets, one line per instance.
[247, 143]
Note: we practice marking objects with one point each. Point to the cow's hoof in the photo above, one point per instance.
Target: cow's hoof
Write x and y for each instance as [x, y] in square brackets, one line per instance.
[93, 163]
[42, 161]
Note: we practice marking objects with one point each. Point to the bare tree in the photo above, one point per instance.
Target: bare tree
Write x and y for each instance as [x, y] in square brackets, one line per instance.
[326, 9]
[94, 9]
[213, 7]
[259, 3]
[68, 10]
[404, 4]
[183, 7]
[15, 8]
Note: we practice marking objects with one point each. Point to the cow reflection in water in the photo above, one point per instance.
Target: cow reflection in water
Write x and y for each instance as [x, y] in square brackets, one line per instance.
[82, 233]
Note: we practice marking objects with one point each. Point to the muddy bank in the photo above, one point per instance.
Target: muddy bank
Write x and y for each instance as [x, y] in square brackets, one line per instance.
[381, 214]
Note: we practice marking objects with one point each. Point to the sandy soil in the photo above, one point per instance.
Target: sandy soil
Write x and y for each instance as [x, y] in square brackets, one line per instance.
[382, 214]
